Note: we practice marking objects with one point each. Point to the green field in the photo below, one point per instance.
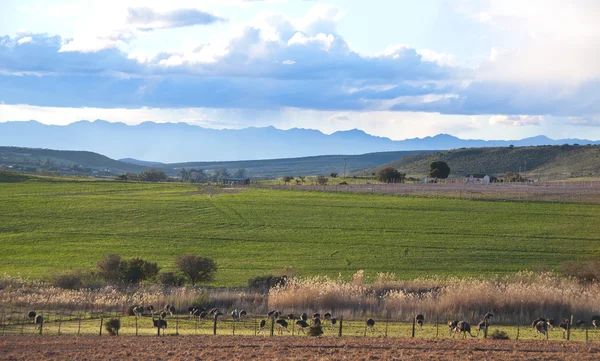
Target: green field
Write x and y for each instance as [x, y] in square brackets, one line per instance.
[52, 227]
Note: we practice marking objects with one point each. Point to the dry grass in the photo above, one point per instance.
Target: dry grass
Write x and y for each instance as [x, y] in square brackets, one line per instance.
[513, 299]
[25, 293]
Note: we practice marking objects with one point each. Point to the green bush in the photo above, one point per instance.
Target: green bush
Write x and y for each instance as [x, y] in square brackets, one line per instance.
[170, 279]
[112, 326]
[266, 282]
[499, 335]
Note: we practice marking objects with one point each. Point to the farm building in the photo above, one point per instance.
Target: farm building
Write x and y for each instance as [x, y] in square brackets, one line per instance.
[480, 179]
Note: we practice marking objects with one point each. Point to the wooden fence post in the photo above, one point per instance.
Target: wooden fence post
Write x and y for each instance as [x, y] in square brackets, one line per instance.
[341, 321]
[101, 322]
[437, 326]
[23, 324]
[413, 328]
[59, 323]
[136, 325]
[272, 325]
[3, 324]
[118, 318]
[79, 326]
[485, 330]
[215, 325]
[233, 327]
[176, 325]
[387, 320]
[254, 325]
[569, 329]
[41, 326]
[517, 338]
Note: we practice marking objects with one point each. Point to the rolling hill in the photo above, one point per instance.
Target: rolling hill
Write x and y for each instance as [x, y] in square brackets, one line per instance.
[543, 162]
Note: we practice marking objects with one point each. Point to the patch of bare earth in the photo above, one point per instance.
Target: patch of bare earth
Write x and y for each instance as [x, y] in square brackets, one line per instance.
[299, 348]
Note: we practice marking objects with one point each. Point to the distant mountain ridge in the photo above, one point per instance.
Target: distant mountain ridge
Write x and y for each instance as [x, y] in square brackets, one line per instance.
[182, 142]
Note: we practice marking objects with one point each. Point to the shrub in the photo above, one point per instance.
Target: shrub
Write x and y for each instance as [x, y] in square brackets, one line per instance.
[112, 326]
[68, 281]
[499, 335]
[153, 175]
[109, 268]
[585, 272]
[315, 331]
[196, 268]
[266, 282]
[390, 175]
[322, 180]
[170, 279]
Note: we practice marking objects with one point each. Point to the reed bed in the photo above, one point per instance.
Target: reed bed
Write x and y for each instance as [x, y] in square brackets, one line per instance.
[18, 292]
[513, 299]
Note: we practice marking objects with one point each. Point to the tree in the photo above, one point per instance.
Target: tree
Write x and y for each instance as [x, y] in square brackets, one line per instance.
[184, 174]
[197, 175]
[390, 175]
[439, 169]
[333, 175]
[240, 173]
[287, 178]
[136, 270]
[322, 180]
[109, 268]
[219, 174]
[196, 268]
[153, 175]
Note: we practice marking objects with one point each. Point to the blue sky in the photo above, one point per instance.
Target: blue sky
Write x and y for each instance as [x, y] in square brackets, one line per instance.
[491, 69]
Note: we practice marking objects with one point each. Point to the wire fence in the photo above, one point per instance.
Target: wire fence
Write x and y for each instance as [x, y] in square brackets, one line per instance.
[17, 322]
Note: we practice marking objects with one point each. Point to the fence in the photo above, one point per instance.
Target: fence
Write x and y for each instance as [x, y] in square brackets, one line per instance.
[56, 322]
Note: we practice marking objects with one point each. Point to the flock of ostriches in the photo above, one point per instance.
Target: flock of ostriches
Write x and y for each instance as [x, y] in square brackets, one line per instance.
[314, 324]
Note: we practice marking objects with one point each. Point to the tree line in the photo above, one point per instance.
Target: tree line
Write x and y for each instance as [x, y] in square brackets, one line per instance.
[191, 175]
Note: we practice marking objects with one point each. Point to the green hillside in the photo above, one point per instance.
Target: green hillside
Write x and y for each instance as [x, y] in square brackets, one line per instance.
[543, 162]
[34, 159]
[305, 166]
[53, 227]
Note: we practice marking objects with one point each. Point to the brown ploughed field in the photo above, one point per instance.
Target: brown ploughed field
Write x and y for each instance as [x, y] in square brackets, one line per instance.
[277, 348]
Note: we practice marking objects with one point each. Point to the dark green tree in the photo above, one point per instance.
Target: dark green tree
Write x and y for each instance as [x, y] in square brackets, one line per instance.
[439, 169]
[390, 175]
[287, 178]
[196, 268]
[109, 268]
[153, 175]
[240, 173]
[136, 270]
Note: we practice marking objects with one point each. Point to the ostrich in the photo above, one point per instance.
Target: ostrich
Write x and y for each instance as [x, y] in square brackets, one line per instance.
[316, 322]
[172, 310]
[302, 324]
[163, 315]
[213, 311]
[282, 325]
[261, 326]
[580, 323]
[370, 324]
[291, 316]
[159, 323]
[304, 316]
[541, 327]
[564, 325]
[419, 319]
[327, 316]
[482, 326]
[452, 325]
[317, 315]
[138, 311]
[31, 315]
[333, 321]
[487, 317]
[243, 314]
[596, 321]
[39, 321]
[464, 327]
[235, 315]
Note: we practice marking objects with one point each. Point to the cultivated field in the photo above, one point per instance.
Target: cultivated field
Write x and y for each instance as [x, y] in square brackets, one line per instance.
[244, 348]
[48, 227]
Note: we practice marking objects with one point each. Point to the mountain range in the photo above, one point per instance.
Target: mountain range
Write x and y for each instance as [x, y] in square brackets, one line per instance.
[182, 142]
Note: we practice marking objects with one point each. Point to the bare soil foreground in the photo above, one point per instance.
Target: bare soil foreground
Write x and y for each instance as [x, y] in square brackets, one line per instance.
[267, 348]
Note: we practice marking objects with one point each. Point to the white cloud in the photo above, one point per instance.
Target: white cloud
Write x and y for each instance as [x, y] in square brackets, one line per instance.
[24, 40]
[516, 120]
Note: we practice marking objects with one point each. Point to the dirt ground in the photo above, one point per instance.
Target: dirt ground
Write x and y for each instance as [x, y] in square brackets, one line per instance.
[267, 348]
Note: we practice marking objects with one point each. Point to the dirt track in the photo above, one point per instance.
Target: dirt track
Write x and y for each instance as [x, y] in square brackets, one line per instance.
[266, 348]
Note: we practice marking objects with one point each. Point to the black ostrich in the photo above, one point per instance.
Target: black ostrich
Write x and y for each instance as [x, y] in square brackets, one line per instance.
[291, 316]
[564, 325]
[39, 321]
[235, 315]
[302, 324]
[159, 323]
[541, 327]
[452, 325]
[163, 315]
[317, 315]
[371, 324]
[243, 314]
[580, 323]
[261, 326]
[31, 315]
[283, 324]
[487, 317]
[419, 320]
[464, 327]
[316, 322]
[304, 316]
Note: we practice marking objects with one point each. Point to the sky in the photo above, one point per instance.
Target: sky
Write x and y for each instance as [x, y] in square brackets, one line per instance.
[486, 69]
